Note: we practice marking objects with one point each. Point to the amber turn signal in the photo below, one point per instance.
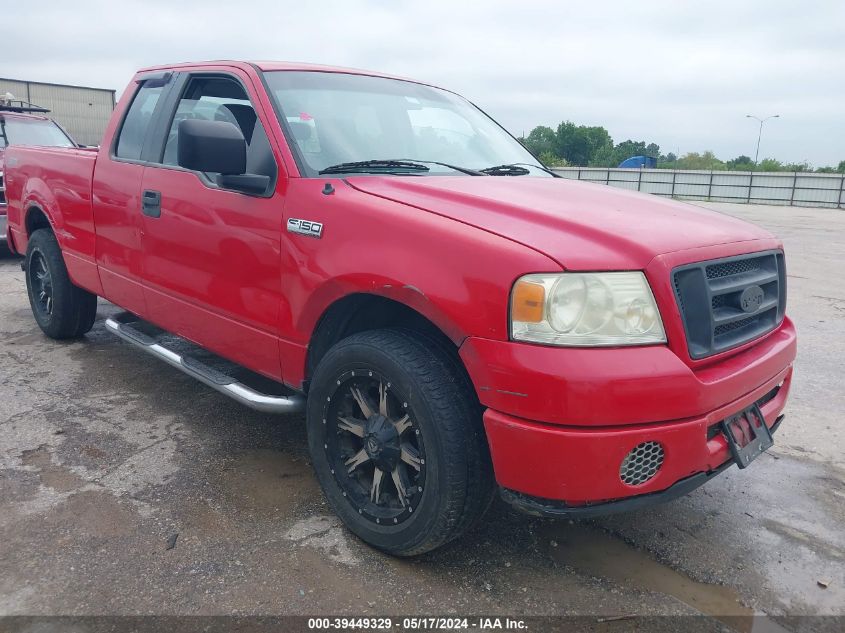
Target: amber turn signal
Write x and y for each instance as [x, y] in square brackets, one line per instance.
[527, 302]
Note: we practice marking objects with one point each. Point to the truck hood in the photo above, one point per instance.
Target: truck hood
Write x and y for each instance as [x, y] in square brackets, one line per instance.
[580, 225]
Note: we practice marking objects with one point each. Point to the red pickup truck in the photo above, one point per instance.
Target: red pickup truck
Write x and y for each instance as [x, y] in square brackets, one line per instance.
[453, 318]
[19, 126]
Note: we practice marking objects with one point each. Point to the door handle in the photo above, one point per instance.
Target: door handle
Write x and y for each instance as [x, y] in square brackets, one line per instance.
[151, 203]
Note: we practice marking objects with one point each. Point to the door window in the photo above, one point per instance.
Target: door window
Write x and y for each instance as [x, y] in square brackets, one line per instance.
[214, 98]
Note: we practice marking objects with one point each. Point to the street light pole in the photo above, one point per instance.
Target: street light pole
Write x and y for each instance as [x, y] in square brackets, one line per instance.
[760, 133]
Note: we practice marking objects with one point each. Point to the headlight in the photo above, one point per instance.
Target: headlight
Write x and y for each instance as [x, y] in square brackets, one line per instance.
[585, 309]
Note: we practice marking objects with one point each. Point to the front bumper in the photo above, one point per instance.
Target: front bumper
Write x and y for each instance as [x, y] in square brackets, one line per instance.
[560, 422]
[536, 506]
[580, 466]
[3, 223]
[601, 387]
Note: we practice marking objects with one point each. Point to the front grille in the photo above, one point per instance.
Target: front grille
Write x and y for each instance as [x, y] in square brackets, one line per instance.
[729, 327]
[727, 302]
[2, 189]
[718, 301]
[714, 271]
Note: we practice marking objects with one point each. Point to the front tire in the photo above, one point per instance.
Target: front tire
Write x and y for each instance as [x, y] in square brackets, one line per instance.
[61, 309]
[397, 443]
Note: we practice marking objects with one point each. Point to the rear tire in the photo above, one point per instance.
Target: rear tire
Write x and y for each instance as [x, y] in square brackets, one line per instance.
[419, 425]
[61, 309]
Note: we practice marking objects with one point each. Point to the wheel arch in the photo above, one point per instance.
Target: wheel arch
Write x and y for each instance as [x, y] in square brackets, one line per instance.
[32, 218]
[36, 218]
[361, 311]
[38, 210]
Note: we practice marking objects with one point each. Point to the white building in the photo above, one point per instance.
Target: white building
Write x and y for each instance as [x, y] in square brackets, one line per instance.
[83, 112]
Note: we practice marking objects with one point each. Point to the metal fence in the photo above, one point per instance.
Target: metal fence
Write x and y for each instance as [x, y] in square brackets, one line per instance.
[782, 188]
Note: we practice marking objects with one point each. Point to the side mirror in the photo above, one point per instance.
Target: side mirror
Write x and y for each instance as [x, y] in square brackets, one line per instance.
[211, 146]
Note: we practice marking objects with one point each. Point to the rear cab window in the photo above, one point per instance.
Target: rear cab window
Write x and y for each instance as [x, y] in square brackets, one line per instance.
[130, 141]
[26, 131]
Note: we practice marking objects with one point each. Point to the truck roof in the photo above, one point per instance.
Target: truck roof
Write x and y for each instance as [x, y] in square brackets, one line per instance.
[6, 114]
[276, 65]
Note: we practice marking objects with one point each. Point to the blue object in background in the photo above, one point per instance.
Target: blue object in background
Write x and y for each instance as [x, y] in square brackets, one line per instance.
[639, 162]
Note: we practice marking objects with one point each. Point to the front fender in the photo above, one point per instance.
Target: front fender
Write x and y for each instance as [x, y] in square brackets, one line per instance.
[379, 285]
[456, 275]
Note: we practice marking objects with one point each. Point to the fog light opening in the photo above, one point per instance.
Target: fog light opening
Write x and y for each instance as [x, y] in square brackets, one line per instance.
[642, 463]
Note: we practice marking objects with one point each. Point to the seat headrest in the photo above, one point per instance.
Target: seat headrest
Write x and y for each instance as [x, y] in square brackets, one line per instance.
[243, 114]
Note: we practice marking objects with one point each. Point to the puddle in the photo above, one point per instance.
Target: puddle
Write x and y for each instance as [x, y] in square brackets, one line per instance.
[51, 475]
[598, 554]
[267, 482]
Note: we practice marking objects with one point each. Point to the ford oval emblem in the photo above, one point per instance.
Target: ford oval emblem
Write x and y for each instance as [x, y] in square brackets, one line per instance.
[751, 299]
[373, 446]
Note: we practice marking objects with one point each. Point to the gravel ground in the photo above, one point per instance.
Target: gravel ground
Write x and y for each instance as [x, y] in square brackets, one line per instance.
[128, 488]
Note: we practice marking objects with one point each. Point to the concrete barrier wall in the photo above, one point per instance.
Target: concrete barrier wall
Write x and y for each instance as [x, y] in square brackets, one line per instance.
[760, 187]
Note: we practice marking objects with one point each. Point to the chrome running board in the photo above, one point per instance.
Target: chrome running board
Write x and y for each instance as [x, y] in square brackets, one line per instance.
[122, 325]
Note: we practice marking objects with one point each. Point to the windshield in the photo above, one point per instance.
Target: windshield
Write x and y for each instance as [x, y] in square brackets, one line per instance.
[14, 131]
[339, 118]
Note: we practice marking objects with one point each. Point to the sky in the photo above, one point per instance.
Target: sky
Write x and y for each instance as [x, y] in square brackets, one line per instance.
[681, 74]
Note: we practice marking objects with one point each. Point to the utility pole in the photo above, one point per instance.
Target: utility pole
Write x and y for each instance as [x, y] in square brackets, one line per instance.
[760, 133]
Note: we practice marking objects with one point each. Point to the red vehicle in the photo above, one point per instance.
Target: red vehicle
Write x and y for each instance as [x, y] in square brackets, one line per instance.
[20, 125]
[452, 318]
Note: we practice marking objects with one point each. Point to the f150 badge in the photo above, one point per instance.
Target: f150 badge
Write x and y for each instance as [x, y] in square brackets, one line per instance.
[305, 227]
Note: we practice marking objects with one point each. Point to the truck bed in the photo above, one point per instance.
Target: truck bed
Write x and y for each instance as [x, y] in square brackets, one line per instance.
[58, 179]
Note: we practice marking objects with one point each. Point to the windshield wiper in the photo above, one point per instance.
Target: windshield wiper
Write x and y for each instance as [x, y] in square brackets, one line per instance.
[378, 165]
[464, 170]
[506, 170]
[541, 167]
[398, 164]
[517, 169]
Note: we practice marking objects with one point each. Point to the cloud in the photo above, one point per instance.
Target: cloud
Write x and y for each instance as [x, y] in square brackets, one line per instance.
[683, 75]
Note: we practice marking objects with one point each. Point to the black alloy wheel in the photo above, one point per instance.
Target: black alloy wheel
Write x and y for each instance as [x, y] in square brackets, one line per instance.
[61, 309]
[42, 284]
[374, 448]
[397, 441]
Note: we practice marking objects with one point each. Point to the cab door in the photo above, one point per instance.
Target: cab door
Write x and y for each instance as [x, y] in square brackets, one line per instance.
[116, 196]
[211, 256]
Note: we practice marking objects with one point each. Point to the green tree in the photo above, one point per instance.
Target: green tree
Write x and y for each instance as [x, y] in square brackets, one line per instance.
[627, 149]
[597, 138]
[579, 143]
[583, 145]
[541, 140]
[549, 159]
[805, 166]
[604, 157]
[611, 156]
[741, 163]
[694, 160]
[841, 167]
[770, 164]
